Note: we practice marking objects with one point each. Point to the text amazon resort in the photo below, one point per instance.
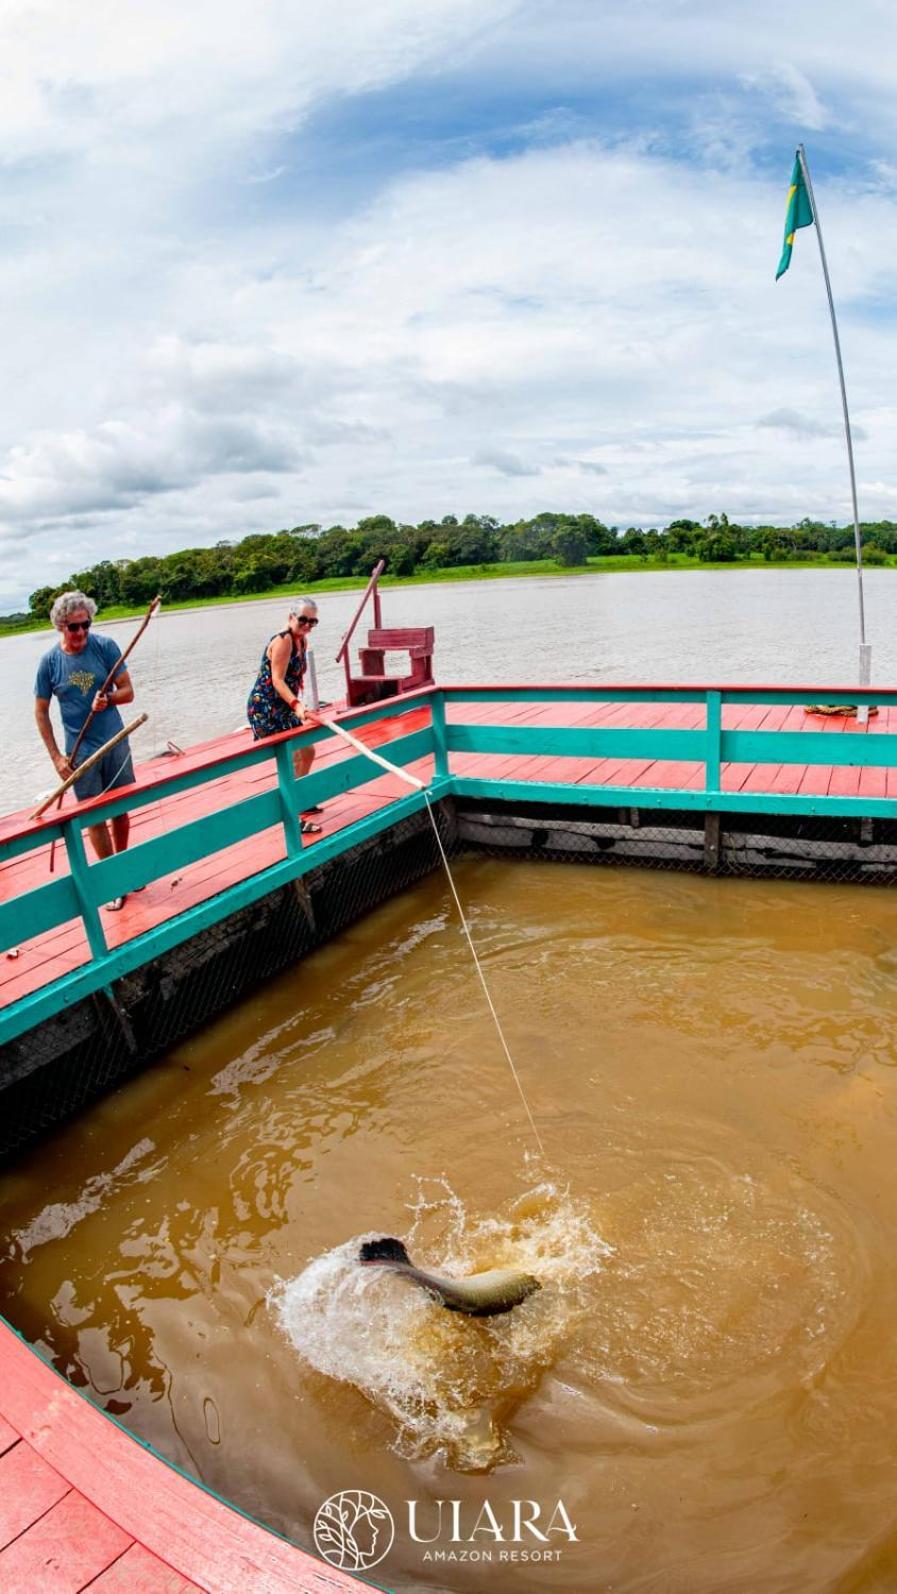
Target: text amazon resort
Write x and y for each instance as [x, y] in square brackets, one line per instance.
[519, 1532]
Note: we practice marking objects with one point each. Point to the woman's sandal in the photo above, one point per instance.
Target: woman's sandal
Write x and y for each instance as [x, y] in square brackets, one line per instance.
[306, 828]
[118, 903]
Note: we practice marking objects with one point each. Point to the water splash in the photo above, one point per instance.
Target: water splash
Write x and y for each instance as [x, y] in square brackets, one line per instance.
[449, 1383]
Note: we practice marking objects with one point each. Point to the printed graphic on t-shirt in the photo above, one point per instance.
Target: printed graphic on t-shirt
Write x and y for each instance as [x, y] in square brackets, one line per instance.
[83, 679]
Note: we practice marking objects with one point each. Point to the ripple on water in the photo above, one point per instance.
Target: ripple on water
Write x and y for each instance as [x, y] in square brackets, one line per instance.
[726, 1287]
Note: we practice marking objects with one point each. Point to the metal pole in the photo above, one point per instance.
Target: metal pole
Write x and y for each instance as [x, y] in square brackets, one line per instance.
[313, 698]
[865, 648]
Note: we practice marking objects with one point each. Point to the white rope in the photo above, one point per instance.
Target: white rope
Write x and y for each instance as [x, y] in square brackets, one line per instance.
[412, 780]
[154, 690]
[115, 776]
[473, 953]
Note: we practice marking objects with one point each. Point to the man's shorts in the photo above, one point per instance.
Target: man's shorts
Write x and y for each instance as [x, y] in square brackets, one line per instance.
[114, 769]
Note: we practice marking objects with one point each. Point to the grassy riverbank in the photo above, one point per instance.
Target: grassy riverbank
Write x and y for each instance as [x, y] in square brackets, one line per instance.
[598, 565]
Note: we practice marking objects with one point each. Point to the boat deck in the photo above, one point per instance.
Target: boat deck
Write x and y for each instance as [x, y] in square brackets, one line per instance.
[84, 1505]
[52, 1537]
[38, 962]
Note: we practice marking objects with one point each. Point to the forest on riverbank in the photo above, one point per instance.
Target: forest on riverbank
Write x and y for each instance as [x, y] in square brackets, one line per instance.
[310, 557]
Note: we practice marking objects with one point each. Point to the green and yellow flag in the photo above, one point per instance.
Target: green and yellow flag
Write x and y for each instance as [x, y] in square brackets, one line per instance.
[799, 213]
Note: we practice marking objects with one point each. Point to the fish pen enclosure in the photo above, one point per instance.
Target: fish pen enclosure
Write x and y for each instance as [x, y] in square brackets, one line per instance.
[723, 781]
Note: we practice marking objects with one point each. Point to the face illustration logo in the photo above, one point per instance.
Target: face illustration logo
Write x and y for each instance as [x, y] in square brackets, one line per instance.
[353, 1530]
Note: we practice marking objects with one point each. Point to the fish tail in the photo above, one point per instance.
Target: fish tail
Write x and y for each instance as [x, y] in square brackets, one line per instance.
[383, 1250]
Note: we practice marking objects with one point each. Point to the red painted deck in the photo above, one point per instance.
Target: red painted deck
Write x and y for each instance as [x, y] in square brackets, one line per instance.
[59, 951]
[83, 1505]
[47, 957]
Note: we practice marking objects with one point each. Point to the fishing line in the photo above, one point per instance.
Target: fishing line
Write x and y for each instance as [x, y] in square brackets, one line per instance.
[154, 690]
[473, 953]
[418, 785]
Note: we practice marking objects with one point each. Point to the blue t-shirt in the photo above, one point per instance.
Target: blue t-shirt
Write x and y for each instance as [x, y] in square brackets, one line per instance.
[75, 678]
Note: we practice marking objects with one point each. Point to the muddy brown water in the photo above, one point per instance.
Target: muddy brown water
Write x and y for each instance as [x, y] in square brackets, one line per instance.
[708, 1378]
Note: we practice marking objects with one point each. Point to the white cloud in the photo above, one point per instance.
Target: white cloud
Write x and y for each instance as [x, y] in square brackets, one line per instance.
[788, 420]
[793, 93]
[505, 463]
[99, 76]
[191, 353]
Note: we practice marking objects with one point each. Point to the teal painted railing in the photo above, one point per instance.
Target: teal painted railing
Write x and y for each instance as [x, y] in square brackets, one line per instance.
[89, 885]
[710, 746]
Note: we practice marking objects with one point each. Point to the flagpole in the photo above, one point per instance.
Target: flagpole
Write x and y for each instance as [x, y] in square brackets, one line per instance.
[865, 648]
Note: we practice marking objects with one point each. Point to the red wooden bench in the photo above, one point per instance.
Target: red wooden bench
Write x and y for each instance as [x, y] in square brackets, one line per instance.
[375, 681]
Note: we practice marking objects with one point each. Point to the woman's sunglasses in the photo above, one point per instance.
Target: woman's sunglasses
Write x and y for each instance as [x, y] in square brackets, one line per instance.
[78, 625]
[304, 619]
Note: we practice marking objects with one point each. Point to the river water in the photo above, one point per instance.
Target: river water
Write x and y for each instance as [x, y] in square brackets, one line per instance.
[193, 670]
[707, 1379]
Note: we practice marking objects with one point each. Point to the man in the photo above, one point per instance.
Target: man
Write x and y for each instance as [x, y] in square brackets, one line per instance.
[73, 671]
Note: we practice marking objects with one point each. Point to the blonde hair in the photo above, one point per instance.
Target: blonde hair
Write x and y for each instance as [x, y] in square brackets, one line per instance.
[298, 604]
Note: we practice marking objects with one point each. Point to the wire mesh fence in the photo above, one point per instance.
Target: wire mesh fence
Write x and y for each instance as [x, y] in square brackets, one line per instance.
[54, 1071]
[733, 844]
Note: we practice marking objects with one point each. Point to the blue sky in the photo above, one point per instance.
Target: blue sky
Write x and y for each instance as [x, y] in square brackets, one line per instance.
[267, 264]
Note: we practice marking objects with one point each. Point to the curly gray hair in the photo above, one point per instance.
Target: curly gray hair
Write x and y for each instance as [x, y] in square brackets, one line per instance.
[298, 604]
[68, 603]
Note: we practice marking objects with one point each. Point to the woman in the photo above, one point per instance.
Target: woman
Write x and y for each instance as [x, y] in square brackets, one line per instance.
[275, 702]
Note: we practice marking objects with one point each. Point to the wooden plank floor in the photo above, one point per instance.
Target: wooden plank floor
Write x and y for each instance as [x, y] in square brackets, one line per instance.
[84, 1505]
[45, 958]
[53, 1539]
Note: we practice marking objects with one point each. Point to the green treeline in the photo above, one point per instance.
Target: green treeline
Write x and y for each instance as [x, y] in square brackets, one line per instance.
[309, 553]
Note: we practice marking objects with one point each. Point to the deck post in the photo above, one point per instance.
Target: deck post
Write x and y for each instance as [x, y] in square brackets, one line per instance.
[712, 829]
[79, 870]
[287, 786]
[440, 744]
[713, 754]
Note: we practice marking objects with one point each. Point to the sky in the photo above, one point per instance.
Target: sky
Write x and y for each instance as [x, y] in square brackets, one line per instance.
[266, 263]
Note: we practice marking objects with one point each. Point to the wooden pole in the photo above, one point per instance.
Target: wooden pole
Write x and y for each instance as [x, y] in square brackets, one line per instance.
[59, 793]
[116, 670]
[394, 769]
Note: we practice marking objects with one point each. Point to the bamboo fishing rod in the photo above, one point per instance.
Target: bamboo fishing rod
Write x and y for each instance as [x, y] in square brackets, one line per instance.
[88, 764]
[116, 670]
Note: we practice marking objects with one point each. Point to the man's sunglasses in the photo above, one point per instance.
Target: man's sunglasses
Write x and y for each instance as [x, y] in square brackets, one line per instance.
[78, 625]
[304, 619]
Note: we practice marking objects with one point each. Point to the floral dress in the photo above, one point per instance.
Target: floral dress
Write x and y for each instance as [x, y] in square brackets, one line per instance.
[266, 710]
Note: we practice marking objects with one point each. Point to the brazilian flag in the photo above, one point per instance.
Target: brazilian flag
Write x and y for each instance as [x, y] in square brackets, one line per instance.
[799, 213]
